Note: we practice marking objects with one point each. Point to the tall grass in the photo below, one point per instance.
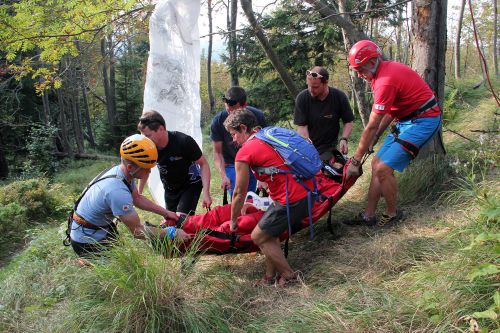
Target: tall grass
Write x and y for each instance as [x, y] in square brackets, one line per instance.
[424, 179]
[428, 274]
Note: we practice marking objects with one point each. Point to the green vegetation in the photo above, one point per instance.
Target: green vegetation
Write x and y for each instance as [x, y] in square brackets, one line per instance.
[436, 272]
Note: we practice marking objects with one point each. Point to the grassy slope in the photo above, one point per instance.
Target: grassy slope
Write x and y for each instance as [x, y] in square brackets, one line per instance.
[410, 279]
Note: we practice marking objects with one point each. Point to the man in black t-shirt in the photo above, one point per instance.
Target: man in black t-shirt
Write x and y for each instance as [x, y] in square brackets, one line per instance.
[184, 171]
[318, 111]
[224, 147]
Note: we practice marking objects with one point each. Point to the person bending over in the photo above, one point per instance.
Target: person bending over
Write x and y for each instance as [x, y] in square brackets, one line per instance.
[114, 194]
[255, 153]
[184, 171]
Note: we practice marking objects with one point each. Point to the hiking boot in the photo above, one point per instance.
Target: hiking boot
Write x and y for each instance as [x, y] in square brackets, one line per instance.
[361, 219]
[387, 221]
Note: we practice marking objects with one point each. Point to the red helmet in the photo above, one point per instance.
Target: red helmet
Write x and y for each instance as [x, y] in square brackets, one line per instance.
[363, 51]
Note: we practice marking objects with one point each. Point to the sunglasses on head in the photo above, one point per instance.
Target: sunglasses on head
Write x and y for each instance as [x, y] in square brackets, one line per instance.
[314, 74]
[230, 102]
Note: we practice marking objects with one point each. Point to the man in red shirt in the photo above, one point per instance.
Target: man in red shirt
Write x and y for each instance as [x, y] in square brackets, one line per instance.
[254, 153]
[400, 94]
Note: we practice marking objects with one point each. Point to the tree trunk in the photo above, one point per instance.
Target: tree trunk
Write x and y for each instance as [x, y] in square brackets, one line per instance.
[209, 58]
[112, 74]
[466, 58]
[83, 87]
[277, 64]
[46, 108]
[4, 165]
[429, 31]
[63, 128]
[408, 48]
[399, 35]
[358, 85]
[74, 105]
[86, 114]
[457, 40]
[232, 16]
[495, 34]
[110, 107]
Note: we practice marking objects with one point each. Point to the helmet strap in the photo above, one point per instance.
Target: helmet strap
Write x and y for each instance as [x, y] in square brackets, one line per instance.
[132, 169]
[375, 67]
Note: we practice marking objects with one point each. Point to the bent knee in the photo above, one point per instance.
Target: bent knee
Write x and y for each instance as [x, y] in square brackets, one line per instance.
[380, 169]
[259, 236]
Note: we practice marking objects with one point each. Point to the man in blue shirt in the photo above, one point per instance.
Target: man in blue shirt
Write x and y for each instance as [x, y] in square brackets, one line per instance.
[224, 147]
[114, 194]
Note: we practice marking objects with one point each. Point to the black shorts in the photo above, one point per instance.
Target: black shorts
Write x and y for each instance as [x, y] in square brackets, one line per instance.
[275, 220]
[184, 200]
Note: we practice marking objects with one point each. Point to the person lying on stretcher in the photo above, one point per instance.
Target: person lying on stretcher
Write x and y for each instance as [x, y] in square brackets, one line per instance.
[219, 217]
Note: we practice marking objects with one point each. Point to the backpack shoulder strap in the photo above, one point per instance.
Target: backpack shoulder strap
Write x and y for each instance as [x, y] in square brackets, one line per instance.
[97, 179]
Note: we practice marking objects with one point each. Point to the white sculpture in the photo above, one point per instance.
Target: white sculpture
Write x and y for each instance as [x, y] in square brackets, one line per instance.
[173, 75]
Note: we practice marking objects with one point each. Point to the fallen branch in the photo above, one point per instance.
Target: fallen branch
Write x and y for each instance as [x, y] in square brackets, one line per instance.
[85, 156]
[485, 131]
[452, 131]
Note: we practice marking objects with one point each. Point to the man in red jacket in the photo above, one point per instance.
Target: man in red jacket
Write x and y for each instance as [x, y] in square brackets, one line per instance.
[400, 95]
[255, 153]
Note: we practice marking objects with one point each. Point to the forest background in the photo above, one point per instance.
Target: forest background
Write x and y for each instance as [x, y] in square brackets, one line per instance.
[71, 82]
[72, 72]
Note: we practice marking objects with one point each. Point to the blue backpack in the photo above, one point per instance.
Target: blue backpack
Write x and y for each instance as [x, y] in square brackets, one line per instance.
[301, 157]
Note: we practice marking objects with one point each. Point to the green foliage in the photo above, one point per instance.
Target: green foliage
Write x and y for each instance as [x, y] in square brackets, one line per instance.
[40, 148]
[12, 219]
[52, 28]
[130, 85]
[220, 84]
[77, 174]
[38, 199]
[488, 243]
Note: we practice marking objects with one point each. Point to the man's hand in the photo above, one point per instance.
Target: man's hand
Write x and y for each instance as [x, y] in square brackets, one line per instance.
[343, 146]
[234, 225]
[171, 216]
[373, 143]
[182, 235]
[225, 183]
[207, 201]
[354, 168]
[262, 185]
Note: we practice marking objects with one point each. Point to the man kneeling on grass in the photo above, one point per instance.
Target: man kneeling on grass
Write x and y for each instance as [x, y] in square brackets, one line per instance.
[113, 193]
[255, 153]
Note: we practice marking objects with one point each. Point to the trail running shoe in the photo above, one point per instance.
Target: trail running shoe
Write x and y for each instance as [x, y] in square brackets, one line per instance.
[361, 219]
[387, 221]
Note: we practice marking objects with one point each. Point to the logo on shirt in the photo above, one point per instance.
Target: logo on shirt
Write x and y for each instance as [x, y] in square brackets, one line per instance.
[175, 158]
[126, 208]
[380, 107]
[328, 116]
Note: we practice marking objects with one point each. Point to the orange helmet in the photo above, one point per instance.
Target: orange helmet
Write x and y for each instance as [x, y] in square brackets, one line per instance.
[363, 51]
[140, 150]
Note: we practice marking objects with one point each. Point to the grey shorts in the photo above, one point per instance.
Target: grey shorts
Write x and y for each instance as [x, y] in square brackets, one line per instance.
[275, 221]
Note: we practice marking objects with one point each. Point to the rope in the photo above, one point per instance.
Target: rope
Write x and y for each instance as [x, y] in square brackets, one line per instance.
[481, 55]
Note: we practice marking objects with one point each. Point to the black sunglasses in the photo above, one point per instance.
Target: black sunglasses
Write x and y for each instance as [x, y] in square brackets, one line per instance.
[314, 74]
[230, 102]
